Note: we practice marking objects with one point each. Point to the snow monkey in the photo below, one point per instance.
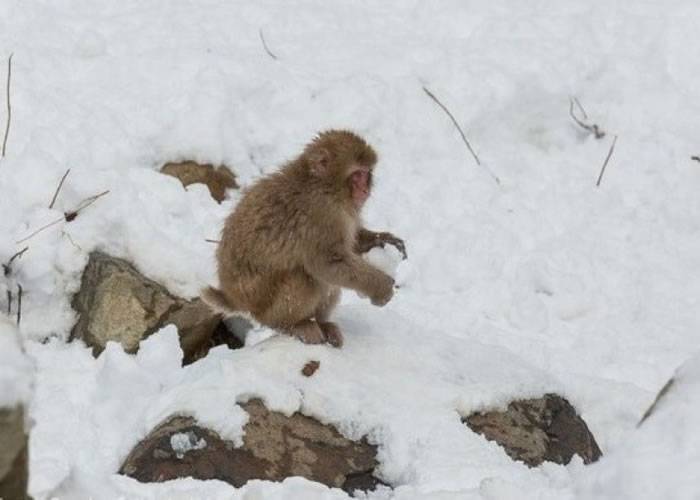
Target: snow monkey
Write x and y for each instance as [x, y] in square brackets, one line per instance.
[295, 239]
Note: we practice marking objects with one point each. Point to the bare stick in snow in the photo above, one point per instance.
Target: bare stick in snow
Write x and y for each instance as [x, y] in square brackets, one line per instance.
[594, 129]
[607, 159]
[9, 106]
[6, 268]
[695, 158]
[267, 49]
[212, 241]
[19, 303]
[60, 185]
[461, 132]
[68, 216]
[9, 302]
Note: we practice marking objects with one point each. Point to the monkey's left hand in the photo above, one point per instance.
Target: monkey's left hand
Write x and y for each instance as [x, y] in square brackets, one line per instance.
[368, 240]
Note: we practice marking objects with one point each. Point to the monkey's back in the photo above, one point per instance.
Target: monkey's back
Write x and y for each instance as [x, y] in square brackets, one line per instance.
[275, 226]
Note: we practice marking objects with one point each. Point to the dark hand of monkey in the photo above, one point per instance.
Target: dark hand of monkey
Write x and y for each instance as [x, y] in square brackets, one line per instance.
[367, 240]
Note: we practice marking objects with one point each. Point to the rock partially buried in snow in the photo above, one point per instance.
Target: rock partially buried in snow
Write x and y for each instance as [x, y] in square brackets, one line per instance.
[538, 430]
[217, 180]
[116, 302]
[15, 391]
[274, 447]
[13, 454]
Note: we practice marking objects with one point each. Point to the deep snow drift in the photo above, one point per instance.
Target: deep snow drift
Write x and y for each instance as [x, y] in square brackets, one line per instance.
[542, 282]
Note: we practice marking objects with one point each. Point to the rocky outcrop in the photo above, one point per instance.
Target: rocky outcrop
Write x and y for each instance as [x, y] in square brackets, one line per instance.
[217, 180]
[116, 302]
[13, 454]
[274, 447]
[537, 430]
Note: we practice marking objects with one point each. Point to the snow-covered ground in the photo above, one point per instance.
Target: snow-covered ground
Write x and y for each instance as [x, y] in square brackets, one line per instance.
[543, 282]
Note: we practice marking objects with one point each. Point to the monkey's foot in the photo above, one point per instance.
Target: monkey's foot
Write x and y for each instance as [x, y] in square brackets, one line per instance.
[332, 333]
[308, 332]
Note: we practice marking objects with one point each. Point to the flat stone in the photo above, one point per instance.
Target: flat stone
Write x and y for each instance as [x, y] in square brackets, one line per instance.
[274, 447]
[538, 430]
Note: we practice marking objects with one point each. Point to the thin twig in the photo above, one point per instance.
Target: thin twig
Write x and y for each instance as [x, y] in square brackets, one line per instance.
[212, 241]
[68, 216]
[71, 241]
[607, 159]
[267, 49]
[53, 223]
[9, 302]
[695, 158]
[7, 267]
[461, 132]
[580, 107]
[84, 204]
[19, 303]
[60, 185]
[9, 106]
[594, 129]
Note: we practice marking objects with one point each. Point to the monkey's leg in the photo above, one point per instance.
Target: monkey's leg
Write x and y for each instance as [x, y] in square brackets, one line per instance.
[330, 330]
[291, 310]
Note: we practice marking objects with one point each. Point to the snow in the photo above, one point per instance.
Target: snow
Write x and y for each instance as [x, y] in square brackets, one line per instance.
[182, 442]
[540, 283]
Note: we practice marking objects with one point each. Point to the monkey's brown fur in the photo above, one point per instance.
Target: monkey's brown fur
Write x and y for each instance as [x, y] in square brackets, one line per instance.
[293, 241]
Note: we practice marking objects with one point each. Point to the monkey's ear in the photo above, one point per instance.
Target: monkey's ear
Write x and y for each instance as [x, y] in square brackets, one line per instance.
[319, 162]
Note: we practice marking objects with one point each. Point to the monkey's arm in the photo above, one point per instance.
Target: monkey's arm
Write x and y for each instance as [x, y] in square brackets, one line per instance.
[366, 240]
[348, 270]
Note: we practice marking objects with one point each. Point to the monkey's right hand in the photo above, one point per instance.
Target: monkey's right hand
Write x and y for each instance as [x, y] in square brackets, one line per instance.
[383, 291]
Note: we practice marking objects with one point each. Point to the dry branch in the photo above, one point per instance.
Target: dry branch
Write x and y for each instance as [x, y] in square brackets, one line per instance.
[19, 303]
[9, 106]
[60, 185]
[461, 132]
[212, 241]
[68, 216]
[9, 302]
[607, 159]
[592, 128]
[267, 49]
[8, 266]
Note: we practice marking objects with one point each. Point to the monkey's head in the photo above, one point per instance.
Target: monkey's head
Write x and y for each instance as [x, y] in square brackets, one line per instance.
[344, 163]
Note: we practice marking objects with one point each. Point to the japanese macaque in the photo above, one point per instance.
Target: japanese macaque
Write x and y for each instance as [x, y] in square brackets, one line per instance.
[295, 239]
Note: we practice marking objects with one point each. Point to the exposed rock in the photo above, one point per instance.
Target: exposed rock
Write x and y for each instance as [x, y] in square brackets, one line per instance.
[310, 368]
[218, 180]
[13, 454]
[117, 303]
[535, 430]
[274, 447]
[659, 397]
[221, 336]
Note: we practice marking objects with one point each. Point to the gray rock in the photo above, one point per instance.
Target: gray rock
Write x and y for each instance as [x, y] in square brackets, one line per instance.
[116, 302]
[13, 454]
[537, 430]
[274, 447]
[217, 180]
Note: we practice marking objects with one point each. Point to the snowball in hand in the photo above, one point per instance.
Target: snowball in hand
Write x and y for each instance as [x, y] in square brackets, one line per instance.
[386, 259]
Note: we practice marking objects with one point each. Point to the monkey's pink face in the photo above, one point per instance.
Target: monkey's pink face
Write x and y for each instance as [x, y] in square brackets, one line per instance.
[360, 184]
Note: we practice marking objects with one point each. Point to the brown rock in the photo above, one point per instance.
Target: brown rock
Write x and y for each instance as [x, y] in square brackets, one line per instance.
[116, 302]
[13, 454]
[535, 430]
[218, 180]
[310, 368]
[274, 447]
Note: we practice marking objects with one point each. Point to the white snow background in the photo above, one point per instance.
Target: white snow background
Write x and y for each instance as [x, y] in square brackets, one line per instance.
[543, 282]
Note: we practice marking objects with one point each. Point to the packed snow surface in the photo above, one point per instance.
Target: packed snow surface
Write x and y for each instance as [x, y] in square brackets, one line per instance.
[540, 282]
